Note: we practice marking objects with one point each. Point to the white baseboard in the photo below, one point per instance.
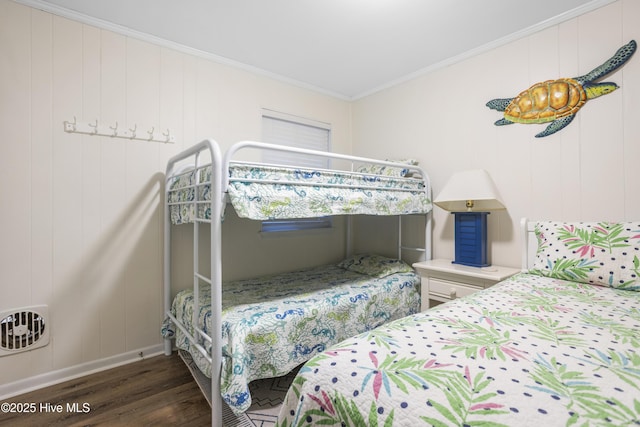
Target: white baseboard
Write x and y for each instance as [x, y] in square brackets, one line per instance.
[55, 377]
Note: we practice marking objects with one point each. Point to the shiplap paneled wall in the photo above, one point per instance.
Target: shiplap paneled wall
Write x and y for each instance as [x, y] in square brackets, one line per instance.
[587, 171]
[81, 217]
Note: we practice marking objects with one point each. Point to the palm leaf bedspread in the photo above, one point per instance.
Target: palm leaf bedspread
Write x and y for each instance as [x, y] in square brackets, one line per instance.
[529, 351]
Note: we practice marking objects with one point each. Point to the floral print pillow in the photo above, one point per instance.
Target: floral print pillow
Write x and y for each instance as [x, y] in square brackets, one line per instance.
[375, 265]
[599, 253]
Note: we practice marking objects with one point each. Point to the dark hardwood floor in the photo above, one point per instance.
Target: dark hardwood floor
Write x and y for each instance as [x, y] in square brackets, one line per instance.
[158, 391]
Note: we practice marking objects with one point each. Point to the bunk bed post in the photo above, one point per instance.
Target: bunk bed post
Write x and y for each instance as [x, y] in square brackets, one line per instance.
[167, 254]
[196, 242]
[217, 192]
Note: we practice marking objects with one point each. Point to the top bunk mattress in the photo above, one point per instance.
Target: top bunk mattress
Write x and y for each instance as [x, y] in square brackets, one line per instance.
[263, 192]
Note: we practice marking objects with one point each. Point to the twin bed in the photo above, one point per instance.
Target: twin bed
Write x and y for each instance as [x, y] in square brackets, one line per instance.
[272, 324]
[556, 345]
[240, 331]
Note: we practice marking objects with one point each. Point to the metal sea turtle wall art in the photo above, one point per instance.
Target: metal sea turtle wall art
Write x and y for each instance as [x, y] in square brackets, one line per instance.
[558, 101]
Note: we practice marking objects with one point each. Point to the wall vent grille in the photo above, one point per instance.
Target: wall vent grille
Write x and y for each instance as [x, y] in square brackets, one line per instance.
[23, 329]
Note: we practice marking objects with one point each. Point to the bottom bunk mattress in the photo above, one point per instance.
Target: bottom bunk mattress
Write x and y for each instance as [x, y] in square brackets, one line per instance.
[272, 324]
[530, 351]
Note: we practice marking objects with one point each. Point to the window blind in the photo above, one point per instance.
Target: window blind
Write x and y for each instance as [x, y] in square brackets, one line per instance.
[287, 131]
[283, 129]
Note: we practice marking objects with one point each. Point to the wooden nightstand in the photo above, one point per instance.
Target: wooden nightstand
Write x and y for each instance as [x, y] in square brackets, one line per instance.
[444, 281]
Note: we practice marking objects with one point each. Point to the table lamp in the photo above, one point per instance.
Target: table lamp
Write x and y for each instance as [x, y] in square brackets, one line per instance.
[469, 195]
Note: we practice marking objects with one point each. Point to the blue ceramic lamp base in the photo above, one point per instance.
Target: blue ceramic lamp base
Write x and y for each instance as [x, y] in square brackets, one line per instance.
[471, 239]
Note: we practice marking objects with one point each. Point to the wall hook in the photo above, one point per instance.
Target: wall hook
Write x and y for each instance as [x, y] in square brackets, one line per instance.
[114, 129]
[94, 126]
[70, 126]
[133, 131]
[151, 133]
[167, 135]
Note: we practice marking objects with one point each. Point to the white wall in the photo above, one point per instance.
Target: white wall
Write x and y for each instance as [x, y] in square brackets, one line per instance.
[81, 217]
[587, 171]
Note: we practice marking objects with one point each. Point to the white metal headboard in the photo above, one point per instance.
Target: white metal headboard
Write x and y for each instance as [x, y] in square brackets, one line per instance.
[529, 243]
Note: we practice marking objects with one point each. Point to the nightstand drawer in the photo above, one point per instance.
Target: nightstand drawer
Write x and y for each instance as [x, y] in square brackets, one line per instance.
[443, 290]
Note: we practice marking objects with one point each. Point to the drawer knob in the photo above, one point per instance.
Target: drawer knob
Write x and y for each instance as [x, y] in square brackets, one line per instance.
[452, 293]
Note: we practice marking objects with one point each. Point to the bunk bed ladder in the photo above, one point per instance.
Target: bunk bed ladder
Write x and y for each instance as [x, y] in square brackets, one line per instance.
[215, 278]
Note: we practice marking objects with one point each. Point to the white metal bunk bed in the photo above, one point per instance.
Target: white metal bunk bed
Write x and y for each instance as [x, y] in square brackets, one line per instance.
[209, 182]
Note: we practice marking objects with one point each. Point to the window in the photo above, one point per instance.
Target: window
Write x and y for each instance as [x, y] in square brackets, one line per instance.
[284, 129]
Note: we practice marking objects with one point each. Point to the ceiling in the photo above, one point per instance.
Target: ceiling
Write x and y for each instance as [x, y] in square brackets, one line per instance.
[346, 48]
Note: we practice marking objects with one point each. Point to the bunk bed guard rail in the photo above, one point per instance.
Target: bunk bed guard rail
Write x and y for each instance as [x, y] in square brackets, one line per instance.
[352, 160]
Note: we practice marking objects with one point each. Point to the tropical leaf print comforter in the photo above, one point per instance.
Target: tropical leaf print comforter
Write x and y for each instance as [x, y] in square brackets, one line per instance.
[530, 351]
[272, 324]
[263, 193]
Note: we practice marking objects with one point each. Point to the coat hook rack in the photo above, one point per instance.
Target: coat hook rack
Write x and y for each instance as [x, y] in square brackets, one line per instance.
[95, 128]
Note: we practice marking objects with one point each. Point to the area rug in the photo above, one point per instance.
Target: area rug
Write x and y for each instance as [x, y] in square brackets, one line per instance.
[266, 395]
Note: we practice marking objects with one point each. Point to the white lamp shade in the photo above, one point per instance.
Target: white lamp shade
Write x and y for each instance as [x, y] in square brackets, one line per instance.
[475, 185]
